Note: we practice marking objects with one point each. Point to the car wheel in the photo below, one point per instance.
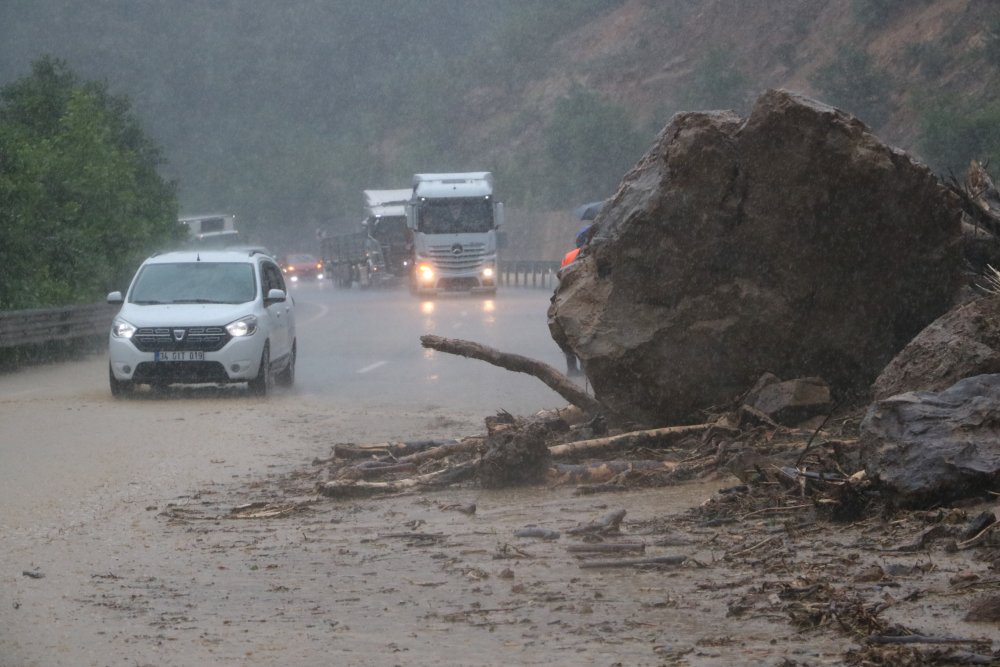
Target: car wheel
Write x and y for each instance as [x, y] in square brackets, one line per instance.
[119, 388]
[286, 378]
[261, 384]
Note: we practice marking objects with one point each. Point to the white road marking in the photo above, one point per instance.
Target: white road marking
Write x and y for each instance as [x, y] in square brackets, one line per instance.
[371, 367]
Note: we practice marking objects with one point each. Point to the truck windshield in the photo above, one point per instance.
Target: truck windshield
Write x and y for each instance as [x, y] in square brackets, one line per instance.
[456, 216]
[194, 282]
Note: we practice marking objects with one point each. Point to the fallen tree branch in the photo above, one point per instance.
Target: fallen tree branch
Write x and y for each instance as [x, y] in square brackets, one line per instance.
[340, 488]
[647, 438]
[552, 378]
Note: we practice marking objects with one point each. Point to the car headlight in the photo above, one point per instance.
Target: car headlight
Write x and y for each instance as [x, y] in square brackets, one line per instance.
[122, 329]
[245, 326]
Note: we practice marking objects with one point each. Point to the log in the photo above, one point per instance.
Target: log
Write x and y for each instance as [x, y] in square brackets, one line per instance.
[339, 488]
[442, 451]
[396, 449]
[647, 438]
[552, 378]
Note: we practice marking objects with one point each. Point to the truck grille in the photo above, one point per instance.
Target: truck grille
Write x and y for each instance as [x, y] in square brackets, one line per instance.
[206, 339]
[470, 256]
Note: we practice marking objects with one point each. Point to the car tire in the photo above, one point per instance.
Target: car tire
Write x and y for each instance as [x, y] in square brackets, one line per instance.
[119, 388]
[286, 378]
[261, 384]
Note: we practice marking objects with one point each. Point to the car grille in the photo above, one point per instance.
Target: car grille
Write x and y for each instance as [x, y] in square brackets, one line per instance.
[206, 339]
[471, 256]
[149, 372]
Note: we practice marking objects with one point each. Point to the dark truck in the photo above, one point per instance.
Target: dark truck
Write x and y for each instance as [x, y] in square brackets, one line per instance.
[385, 221]
[353, 257]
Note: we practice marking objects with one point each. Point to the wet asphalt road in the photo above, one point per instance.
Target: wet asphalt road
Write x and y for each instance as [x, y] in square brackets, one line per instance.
[365, 345]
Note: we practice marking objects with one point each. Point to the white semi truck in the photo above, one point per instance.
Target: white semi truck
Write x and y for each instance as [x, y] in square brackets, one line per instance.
[454, 219]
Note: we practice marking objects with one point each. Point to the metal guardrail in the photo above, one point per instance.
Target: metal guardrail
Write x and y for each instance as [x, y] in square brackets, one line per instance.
[530, 274]
[20, 328]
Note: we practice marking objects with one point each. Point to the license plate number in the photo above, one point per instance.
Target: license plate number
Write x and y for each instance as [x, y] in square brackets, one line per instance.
[183, 355]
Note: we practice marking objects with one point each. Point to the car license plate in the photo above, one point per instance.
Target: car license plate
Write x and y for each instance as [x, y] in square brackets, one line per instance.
[180, 355]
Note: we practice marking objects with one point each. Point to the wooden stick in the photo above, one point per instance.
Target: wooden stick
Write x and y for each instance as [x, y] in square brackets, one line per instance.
[441, 451]
[647, 438]
[605, 547]
[354, 488]
[635, 562]
[552, 378]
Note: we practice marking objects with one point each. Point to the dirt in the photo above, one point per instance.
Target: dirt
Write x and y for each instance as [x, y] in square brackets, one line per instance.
[249, 565]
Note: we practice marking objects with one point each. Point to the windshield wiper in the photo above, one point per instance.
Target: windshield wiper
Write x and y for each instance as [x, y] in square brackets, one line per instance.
[148, 302]
[195, 301]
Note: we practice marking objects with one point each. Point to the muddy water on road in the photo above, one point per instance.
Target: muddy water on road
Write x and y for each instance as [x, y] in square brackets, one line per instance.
[120, 547]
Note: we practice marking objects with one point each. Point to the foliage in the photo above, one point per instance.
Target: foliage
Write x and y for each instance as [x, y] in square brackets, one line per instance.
[875, 13]
[716, 83]
[589, 145]
[81, 201]
[951, 136]
[992, 44]
[852, 83]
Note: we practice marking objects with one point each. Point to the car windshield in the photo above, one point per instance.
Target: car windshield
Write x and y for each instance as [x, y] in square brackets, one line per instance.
[301, 259]
[194, 282]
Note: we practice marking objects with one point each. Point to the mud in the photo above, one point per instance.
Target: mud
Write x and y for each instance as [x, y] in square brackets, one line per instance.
[154, 561]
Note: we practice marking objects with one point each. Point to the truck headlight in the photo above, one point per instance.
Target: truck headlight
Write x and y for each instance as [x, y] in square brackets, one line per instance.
[122, 329]
[245, 326]
[488, 272]
[425, 273]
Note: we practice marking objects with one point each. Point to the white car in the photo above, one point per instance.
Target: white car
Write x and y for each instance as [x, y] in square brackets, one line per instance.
[205, 316]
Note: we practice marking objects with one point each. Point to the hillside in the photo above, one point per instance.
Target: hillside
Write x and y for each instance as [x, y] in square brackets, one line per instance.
[284, 112]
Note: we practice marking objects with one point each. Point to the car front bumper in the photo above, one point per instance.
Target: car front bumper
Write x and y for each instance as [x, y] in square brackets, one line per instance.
[237, 361]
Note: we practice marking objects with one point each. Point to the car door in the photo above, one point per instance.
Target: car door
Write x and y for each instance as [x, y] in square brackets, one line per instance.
[279, 314]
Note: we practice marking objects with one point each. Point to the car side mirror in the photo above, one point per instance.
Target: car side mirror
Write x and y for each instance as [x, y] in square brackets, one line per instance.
[115, 298]
[275, 296]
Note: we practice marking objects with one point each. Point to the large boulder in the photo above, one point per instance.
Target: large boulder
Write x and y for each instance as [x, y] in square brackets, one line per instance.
[925, 448]
[794, 242]
[963, 342]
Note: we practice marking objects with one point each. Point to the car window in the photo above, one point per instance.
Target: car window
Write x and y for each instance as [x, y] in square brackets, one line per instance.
[194, 282]
[271, 277]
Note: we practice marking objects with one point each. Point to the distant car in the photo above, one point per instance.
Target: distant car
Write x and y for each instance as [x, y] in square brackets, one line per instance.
[203, 317]
[298, 267]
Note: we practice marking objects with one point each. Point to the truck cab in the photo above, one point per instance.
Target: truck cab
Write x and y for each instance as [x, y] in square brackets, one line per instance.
[454, 219]
[215, 230]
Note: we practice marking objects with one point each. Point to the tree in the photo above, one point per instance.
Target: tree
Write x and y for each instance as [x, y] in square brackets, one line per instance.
[589, 146]
[81, 201]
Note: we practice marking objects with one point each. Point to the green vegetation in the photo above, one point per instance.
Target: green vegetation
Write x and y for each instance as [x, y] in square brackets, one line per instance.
[81, 201]
[589, 145]
[716, 83]
[876, 13]
[951, 137]
[852, 83]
